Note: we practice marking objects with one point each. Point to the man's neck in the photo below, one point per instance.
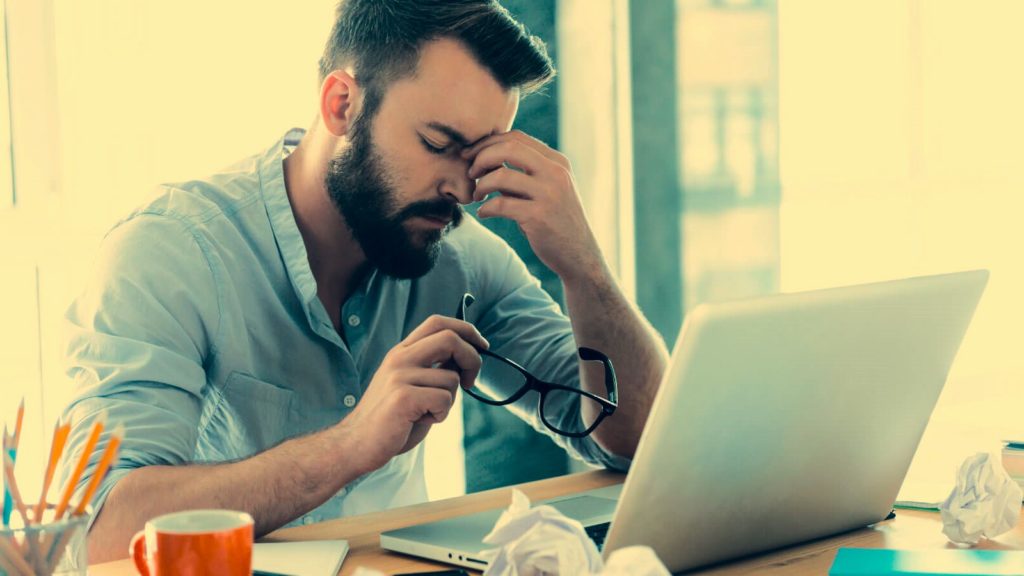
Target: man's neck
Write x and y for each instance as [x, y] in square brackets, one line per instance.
[335, 258]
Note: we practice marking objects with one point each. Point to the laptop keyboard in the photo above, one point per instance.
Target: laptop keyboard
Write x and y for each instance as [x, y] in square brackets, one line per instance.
[597, 533]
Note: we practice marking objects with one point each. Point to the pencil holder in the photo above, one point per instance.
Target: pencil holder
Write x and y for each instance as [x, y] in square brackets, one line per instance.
[44, 549]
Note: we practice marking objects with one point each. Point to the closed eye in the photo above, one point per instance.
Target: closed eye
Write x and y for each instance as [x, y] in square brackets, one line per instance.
[431, 148]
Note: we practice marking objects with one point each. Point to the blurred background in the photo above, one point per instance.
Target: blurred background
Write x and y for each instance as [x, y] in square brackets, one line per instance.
[723, 148]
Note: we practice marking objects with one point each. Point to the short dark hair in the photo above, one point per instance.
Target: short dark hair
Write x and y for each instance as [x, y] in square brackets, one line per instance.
[381, 40]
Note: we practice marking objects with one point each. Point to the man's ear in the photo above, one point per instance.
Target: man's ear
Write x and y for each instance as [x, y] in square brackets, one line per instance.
[340, 96]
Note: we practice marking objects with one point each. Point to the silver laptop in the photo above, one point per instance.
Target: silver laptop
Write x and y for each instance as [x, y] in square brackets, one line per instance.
[779, 420]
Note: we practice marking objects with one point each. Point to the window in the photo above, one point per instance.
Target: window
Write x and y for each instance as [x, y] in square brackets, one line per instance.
[6, 169]
[806, 145]
[21, 235]
[705, 154]
[901, 157]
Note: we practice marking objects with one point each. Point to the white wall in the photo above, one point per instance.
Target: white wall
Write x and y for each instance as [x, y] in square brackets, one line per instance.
[901, 127]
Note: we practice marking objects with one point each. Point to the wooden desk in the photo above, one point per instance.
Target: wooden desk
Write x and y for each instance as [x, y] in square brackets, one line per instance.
[910, 529]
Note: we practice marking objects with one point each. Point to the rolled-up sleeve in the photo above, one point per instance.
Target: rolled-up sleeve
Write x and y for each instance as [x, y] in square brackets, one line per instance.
[137, 339]
[523, 323]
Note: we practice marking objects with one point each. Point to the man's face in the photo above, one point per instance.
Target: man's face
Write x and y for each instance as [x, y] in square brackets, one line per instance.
[400, 183]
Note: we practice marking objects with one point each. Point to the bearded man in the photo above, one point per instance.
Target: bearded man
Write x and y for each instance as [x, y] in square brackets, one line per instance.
[280, 337]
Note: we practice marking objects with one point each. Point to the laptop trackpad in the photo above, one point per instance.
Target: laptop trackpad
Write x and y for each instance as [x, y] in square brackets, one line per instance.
[585, 508]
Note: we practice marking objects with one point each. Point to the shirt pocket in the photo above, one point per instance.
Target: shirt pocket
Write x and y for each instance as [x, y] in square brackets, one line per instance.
[252, 416]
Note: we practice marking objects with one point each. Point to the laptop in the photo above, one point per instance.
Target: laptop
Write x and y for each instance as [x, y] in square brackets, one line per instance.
[779, 420]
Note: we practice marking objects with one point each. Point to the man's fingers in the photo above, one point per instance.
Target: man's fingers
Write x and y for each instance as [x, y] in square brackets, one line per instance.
[438, 323]
[507, 207]
[512, 152]
[444, 346]
[523, 138]
[548, 152]
[506, 181]
[430, 405]
[430, 378]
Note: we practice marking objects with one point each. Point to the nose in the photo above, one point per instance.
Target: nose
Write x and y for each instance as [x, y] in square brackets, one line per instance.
[456, 184]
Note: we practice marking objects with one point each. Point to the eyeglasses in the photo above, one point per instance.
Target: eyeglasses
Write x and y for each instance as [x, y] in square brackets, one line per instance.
[553, 397]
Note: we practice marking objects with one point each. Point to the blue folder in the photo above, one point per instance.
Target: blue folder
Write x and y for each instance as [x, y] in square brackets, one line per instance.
[877, 561]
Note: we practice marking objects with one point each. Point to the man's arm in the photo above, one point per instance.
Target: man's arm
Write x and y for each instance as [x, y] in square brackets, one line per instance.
[409, 393]
[138, 339]
[540, 195]
[603, 319]
[274, 486]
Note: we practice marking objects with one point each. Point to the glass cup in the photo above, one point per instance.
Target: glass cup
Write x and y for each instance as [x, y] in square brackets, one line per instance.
[45, 549]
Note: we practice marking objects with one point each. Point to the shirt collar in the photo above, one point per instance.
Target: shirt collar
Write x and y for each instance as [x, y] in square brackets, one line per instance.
[287, 236]
[282, 219]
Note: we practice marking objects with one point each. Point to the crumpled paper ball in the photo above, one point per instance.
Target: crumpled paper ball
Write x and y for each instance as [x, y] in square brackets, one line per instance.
[985, 502]
[537, 541]
[542, 541]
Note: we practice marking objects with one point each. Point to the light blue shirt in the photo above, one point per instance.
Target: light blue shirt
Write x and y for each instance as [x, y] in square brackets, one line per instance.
[202, 333]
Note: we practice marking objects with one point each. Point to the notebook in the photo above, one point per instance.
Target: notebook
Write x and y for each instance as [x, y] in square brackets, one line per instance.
[923, 495]
[309, 558]
[939, 562]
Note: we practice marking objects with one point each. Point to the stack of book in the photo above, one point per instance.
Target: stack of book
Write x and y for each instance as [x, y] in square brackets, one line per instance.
[1013, 460]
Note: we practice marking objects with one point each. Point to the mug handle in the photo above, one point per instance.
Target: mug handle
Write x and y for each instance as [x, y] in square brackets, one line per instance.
[137, 550]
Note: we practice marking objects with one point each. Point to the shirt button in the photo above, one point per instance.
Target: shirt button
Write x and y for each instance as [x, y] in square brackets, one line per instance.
[307, 520]
[353, 320]
[349, 400]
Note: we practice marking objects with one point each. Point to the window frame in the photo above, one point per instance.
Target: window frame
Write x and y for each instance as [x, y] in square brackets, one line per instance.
[8, 192]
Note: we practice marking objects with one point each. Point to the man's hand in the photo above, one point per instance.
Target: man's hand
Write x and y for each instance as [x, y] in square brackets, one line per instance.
[410, 392]
[412, 389]
[539, 193]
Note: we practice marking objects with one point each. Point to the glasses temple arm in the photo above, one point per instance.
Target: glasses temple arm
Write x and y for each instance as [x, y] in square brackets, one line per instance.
[610, 381]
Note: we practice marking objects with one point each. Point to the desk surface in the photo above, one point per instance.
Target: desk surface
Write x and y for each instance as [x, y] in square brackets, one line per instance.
[910, 529]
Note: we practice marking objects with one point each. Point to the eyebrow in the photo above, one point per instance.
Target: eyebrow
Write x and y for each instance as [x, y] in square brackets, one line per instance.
[456, 136]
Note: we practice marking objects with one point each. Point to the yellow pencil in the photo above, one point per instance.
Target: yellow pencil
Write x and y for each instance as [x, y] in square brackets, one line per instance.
[101, 469]
[60, 437]
[83, 461]
[17, 424]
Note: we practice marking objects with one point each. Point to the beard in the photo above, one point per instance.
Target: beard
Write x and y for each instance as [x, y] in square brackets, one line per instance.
[357, 182]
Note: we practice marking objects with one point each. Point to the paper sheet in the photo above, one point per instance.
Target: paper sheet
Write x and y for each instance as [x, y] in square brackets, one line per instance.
[309, 558]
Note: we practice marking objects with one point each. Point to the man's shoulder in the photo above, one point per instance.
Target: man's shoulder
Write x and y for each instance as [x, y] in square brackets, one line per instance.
[474, 242]
[479, 255]
[202, 201]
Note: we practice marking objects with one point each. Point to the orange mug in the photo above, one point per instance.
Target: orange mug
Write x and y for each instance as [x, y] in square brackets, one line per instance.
[195, 542]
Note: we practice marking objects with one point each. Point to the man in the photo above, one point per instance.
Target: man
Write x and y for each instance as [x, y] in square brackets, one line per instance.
[279, 338]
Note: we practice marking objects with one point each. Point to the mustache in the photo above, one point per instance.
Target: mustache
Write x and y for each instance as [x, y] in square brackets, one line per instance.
[440, 209]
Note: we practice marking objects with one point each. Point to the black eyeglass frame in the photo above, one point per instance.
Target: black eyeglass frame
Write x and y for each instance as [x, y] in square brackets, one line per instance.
[608, 405]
